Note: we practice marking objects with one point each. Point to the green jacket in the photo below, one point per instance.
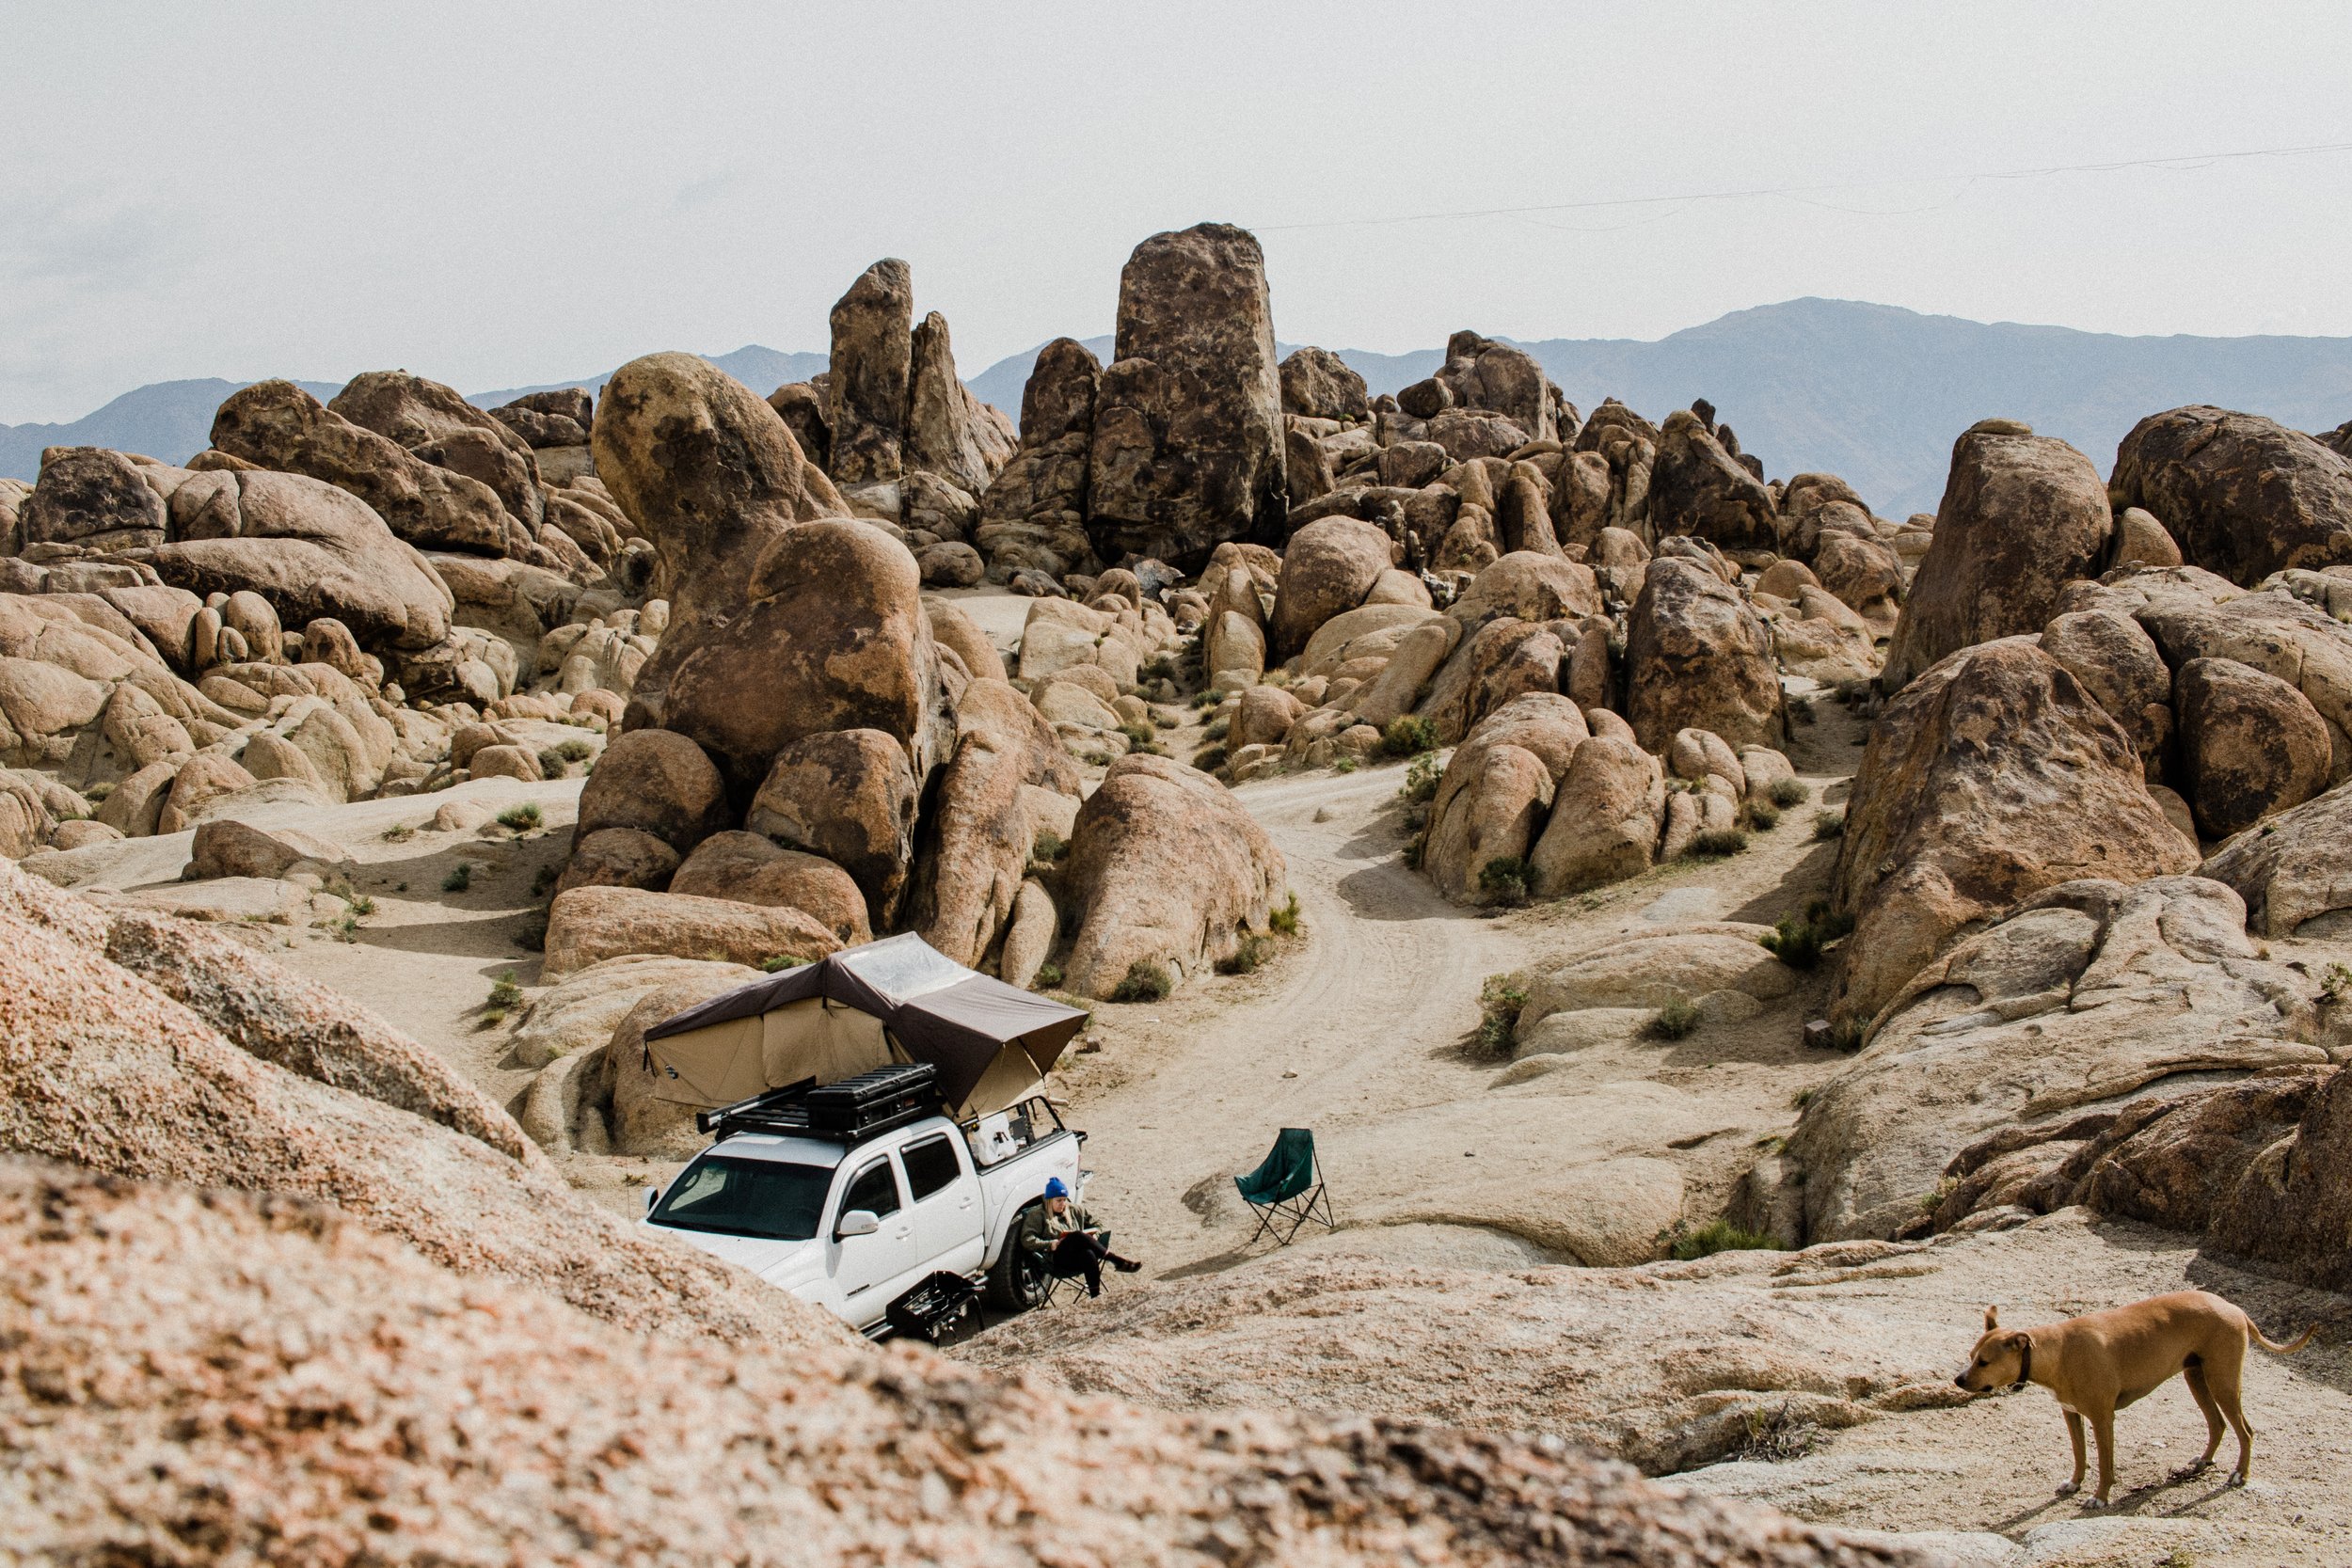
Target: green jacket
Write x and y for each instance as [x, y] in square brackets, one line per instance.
[1042, 1230]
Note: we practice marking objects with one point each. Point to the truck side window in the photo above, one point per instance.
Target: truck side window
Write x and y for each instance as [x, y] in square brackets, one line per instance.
[930, 1167]
[873, 1188]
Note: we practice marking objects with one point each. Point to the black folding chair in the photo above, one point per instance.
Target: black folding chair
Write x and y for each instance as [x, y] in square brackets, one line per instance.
[1288, 1186]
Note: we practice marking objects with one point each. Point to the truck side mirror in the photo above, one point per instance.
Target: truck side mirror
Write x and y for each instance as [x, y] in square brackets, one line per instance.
[857, 1221]
[653, 1196]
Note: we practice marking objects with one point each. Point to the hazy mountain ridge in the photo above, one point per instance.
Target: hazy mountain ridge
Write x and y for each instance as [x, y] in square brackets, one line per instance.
[1873, 392]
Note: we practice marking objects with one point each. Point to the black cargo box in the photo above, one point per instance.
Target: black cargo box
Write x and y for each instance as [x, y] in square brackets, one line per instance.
[886, 1096]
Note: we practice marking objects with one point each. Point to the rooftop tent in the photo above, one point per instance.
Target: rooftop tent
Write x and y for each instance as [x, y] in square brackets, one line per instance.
[897, 1000]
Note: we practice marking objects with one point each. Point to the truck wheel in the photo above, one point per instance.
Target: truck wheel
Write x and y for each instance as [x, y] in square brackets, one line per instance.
[1016, 1281]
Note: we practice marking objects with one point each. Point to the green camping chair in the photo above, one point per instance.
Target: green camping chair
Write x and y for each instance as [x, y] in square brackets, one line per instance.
[1288, 1186]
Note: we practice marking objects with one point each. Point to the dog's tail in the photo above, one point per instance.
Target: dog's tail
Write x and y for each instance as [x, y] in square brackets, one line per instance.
[2300, 1340]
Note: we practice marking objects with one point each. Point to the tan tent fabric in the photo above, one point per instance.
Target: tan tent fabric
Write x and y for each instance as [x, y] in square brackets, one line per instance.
[895, 1000]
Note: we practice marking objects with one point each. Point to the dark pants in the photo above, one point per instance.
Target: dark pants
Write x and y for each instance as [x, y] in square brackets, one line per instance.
[1080, 1253]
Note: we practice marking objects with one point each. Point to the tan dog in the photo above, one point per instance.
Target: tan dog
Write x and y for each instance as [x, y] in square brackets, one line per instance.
[2103, 1361]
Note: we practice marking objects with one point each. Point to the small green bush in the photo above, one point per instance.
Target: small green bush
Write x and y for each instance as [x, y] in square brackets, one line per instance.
[1412, 850]
[1674, 1020]
[520, 818]
[1500, 1002]
[1718, 841]
[1144, 981]
[1408, 736]
[459, 879]
[778, 962]
[1345, 764]
[1138, 735]
[1763, 817]
[1207, 699]
[1209, 758]
[1504, 880]
[1284, 921]
[1048, 975]
[1719, 1236]
[1828, 825]
[400, 833]
[1421, 778]
[1218, 729]
[1799, 940]
[504, 992]
[1248, 957]
[361, 904]
[1800, 709]
[551, 764]
[1788, 792]
[99, 791]
[574, 751]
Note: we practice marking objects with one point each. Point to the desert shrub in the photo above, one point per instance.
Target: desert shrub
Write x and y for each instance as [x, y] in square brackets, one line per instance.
[1284, 921]
[1144, 981]
[1248, 957]
[1163, 720]
[1719, 1236]
[400, 833]
[1160, 668]
[361, 903]
[1048, 975]
[1408, 736]
[1800, 709]
[2335, 983]
[1345, 764]
[1799, 940]
[1500, 1002]
[1718, 841]
[1218, 729]
[1504, 878]
[1828, 825]
[1207, 699]
[459, 879]
[574, 751]
[1209, 758]
[520, 818]
[1098, 759]
[551, 764]
[1779, 1434]
[1763, 818]
[1138, 735]
[1421, 778]
[1786, 793]
[1412, 850]
[777, 963]
[504, 992]
[1050, 847]
[1674, 1021]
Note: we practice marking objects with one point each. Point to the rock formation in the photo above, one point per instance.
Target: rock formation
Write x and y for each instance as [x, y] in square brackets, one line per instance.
[2244, 496]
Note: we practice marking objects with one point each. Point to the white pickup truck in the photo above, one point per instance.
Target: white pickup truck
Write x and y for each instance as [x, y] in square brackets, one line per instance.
[852, 1213]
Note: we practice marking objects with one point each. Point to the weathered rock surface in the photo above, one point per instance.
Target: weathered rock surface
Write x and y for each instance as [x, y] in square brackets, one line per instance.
[93, 498]
[1166, 867]
[849, 797]
[752, 869]
[1698, 657]
[2295, 871]
[770, 1452]
[589, 925]
[435, 424]
[2092, 995]
[1188, 436]
[2023, 515]
[873, 352]
[657, 781]
[277, 425]
[1992, 776]
[1328, 568]
[1033, 515]
[949, 432]
[2250, 744]
[1320, 385]
[831, 635]
[156, 1092]
[2242, 496]
[1698, 489]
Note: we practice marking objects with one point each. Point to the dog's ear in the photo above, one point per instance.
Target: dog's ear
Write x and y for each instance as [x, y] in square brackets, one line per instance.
[1992, 1318]
[2020, 1342]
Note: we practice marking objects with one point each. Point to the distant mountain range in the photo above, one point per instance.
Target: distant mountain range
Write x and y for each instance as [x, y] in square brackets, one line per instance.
[1868, 391]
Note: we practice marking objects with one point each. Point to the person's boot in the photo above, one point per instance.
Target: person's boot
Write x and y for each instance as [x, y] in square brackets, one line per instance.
[1124, 1265]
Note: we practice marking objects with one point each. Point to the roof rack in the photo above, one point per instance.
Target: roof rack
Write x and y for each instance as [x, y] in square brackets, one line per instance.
[847, 1112]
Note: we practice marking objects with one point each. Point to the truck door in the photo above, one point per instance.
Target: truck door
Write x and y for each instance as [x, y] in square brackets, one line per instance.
[865, 1266]
[947, 1198]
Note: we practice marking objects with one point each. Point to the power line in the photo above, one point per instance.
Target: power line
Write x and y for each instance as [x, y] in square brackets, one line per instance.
[2189, 159]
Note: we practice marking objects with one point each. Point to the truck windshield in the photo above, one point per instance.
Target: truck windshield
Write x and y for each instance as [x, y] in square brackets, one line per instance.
[773, 1198]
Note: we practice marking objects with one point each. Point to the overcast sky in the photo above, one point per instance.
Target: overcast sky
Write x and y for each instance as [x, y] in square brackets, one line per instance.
[494, 195]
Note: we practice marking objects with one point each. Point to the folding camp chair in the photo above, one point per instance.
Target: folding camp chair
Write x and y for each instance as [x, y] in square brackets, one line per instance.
[1289, 1185]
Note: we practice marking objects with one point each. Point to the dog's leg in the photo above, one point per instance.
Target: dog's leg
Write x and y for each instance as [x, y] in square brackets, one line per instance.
[2074, 1431]
[2193, 1375]
[2102, 1428]
[2221, 1375]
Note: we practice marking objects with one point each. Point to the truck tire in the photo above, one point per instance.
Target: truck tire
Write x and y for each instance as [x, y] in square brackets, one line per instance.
[1016, 1281]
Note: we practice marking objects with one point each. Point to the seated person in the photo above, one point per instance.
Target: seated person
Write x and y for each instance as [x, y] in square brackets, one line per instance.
[1066, 1239]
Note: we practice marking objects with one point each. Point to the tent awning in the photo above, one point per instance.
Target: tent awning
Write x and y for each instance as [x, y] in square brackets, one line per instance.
[975, 1030]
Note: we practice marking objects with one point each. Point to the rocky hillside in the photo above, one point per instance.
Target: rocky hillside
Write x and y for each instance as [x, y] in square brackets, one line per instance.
[1618, 854]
